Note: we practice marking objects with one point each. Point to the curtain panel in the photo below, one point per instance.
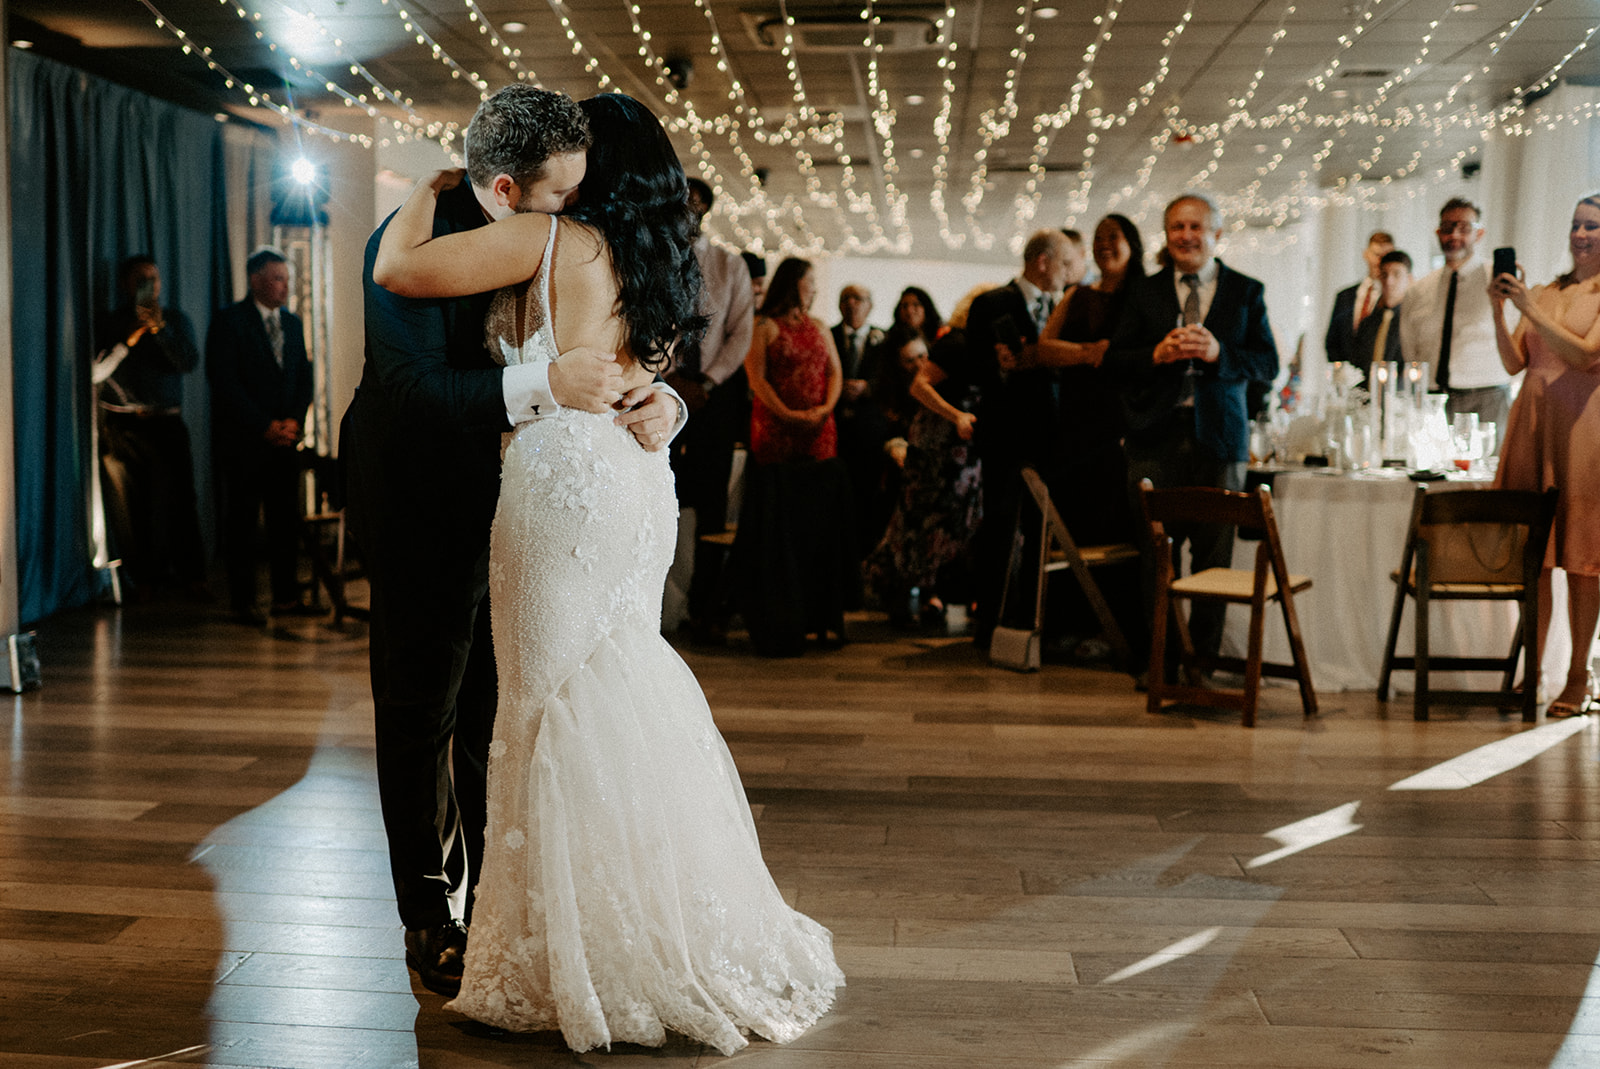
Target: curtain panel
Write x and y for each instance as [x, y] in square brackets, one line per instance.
[100, 172]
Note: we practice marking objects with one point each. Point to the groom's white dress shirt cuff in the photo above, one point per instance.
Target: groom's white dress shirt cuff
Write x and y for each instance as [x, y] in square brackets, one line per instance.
[527, 392]
[526, 388]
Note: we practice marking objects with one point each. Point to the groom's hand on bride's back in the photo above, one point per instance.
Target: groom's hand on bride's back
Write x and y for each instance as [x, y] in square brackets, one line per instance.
[587, 379]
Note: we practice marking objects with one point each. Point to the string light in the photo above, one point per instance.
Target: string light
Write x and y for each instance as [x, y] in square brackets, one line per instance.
[257, 97]
[425, 40]
[512, 56]
[941, 130]
[1371, 156]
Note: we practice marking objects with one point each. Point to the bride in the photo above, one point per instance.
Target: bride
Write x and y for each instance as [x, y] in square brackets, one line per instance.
[623, 891]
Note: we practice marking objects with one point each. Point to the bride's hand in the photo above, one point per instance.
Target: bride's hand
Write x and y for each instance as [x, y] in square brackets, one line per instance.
[449, 178]
[586, 379]
[650, 415]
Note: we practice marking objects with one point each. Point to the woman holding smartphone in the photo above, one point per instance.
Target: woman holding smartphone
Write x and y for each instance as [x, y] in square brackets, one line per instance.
[1553, 435]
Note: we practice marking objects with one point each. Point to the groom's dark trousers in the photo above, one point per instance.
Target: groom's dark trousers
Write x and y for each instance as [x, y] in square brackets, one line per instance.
[421, 443]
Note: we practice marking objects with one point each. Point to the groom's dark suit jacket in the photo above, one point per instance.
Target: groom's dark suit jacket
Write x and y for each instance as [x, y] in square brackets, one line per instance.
[1151, 392]
[422, 443]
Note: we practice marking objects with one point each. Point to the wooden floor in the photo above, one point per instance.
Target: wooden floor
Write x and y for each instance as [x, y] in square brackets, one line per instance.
[1027, 872]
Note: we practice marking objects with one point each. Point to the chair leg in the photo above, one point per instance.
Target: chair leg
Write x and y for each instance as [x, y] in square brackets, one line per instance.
[1186, 646]
[1157, 679]
[1530, 643]
[1420, 708]
[1252, 664]
[1394, 637]
[1297, 653]
[1508, 680]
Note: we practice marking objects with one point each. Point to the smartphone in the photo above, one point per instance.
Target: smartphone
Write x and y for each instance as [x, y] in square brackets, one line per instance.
[1505, 262]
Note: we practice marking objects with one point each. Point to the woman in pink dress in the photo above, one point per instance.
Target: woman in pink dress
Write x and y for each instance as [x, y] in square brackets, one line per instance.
[793, 553]
[1553, 434]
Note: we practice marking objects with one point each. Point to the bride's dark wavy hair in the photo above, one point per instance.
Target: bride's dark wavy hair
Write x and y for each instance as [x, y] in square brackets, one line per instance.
[635, 194]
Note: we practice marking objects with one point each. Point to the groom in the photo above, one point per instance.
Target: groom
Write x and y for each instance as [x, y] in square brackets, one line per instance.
[423, 441]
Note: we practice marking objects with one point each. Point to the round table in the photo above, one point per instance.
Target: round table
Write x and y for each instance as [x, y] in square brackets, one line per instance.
[1347, 532]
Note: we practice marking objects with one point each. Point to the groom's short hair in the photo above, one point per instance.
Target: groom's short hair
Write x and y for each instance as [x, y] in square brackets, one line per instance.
[518, 129]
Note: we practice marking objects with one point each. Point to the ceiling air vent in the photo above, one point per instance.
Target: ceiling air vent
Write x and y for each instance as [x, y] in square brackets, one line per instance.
[832, 29]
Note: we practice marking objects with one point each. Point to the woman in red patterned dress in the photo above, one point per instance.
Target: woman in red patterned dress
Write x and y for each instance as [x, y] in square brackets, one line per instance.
[793, 548]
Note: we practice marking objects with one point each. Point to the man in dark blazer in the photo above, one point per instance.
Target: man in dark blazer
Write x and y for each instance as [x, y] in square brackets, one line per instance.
[1354, 304]
[861, 425]
[260, 389]
[422, 438]
[1017, 410]
[1187, 344]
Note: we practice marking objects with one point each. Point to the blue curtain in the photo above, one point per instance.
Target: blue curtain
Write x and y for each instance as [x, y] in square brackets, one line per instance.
[98, 172]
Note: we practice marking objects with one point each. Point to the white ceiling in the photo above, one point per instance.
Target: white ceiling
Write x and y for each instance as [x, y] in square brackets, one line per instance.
[1301, 97]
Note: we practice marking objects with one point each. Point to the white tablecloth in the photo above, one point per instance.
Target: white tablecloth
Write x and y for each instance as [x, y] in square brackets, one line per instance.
[1347, 533]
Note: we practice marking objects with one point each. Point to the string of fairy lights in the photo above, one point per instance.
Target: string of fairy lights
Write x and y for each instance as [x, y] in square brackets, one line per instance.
[838, 211]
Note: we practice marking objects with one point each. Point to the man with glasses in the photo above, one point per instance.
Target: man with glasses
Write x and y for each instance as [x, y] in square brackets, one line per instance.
[1447, 323]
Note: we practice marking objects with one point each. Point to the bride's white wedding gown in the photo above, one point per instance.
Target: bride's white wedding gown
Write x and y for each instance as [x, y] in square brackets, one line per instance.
[623, 891]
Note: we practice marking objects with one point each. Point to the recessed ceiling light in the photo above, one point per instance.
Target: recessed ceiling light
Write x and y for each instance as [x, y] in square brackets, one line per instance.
[916, 154]
[1045, 12]
[1340, 94]
[1261, 148]
[21, 44]
[914, 99]
[1463, 7]
[513, 27]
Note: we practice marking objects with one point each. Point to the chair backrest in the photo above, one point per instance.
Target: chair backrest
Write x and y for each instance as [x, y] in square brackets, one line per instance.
[1483, 536]
[1204, 504]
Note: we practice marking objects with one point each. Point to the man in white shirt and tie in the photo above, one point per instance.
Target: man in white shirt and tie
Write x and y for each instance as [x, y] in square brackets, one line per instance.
[1447, 321]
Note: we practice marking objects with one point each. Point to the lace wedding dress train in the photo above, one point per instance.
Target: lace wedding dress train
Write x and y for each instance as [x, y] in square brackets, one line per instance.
[623, 892]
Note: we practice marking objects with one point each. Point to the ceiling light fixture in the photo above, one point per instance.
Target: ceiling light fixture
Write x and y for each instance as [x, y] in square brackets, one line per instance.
[1464, 8]
[513, 27]
[22, 44]
[914, 99]
[1045, 12]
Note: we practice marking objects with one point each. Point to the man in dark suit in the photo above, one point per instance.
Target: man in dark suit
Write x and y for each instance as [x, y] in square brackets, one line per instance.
[1354, 304]
[861, 425]
[1189, 341]
[1016, 414]
[260, 389]
[1378, 337]
[423, 441]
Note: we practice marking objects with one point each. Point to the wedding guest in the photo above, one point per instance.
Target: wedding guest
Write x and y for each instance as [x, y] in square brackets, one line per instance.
[793, 549]
[1016, 408]
[1077, 258]
[1084, 465]
[260, 389]
[927, 544]
[1355, 303]
[1448, 322]
[1183, 388]
[757, 266]
[1553, 437]
[1378, 337]
[145, 350]
[860, 425]
[710, 379]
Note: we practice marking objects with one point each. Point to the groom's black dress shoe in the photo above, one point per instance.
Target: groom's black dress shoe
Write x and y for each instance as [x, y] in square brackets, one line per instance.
[436, 955]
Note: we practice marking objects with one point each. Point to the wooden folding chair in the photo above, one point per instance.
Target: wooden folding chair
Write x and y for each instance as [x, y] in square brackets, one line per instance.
[1472, 545]
[1058, 551]
[1268, 581]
